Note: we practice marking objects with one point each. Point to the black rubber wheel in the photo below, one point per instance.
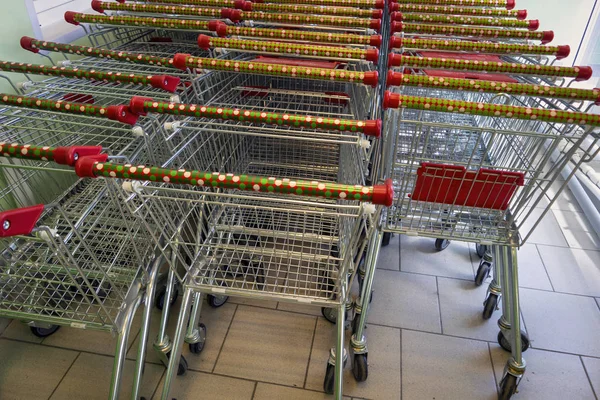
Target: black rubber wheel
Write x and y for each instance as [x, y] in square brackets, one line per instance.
[360, 367]
[387, 236]
[44, 332]
[489, 306]
[216, 301]
[159, 301]
[183, 366]
[506, 345]
[329, 381]
[480, 249]
[330, 314]
[483, 271]
[441, 244]
[508, 387]
[197, 348]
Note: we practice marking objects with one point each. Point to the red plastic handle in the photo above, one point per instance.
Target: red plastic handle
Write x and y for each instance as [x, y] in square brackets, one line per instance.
[69, 155]
[19, 221]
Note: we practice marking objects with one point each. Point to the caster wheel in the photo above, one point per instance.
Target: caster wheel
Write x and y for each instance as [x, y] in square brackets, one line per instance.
[216, 301]
[360, 368]
[197, 348]
[387, 236]
[506, 345]
[441, 244]
[508, 387]
[482, 272]
[480, 249]
[159, 302]
[329, 381]
[183, 365]
[330, 314]
[489, 306]
[44, 332]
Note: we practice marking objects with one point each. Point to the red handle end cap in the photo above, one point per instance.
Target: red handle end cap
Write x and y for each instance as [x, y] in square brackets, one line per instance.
[371, 78]
[372, 128]
[397, 26]
[393, 78]
[510, 4]
[375, 41]
[222, 29]
[97, 6]
[394, 60]
[396, 16]
[377, 13]
[122, 114]
[534, 25]
[547, 37]
[84, 167]
[563, 52]
[165, 82]
[521, 14]
[27, 44]
[136, 105]
[375, 24]
[380, 4]
[20, 221]
[394, 7]
[372, 55]
[384, 194]
[584, 73]
[395, 42]
[180, 61]
[70, 17]
[204, 42]
[70, 154]
[390, 100]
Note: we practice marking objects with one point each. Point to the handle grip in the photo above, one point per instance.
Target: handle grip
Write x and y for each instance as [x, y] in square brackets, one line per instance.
[134, 21]
[393, 100]
[167, 83]
[142, 105]
[326, 20]
[479, 47]
[184, 61]
[458, 10]
[117, 113]
[35, 45]
[531, 25]
[61, 155]
[473, 31]
[579, 73]
[101, 6]
[379, 4]
[310, 9]
[20, 221]
[290, 34]
[205, 3]
[287, 48]
[378, 194]
[517, 89]
[508, 4]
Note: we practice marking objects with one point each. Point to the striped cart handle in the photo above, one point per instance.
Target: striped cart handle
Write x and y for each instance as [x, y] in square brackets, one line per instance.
[517, 89]
[326, 20]
[164, 82]
[102, 6]
[310, 9]
[472, 31]
[134, 21]
[579, 73]
[332, 3]
[531, 25]
[457, 10]
[185, 61]
[143, 105]
[288, 48]
[309, 36]
[35, 46]
[394, 100]
[90, 163]
[559, 52]
[205, 3]
[508, 4]
[119, 113]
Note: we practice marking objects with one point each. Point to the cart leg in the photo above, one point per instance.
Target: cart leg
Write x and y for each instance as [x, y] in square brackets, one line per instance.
[162, 343]
[334, 374]
[144, 331]
[196, 333]
[177, 348]
[494, 291]
[122, 339]
[515, 367]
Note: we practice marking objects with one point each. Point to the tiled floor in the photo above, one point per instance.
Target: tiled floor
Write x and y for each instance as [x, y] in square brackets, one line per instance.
[426, 336]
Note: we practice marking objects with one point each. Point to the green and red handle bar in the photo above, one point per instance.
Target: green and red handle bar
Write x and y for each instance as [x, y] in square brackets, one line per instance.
[474, 85]
[332, 3]
[531, 25]
[142, 106]
[458, 10]
[164, 82]
[581, 73]
[471, 31]
[120, 113]
[559, 52]
[395, 100]
[288, 48]
[508, 4]
[90, 162]
[128, 20]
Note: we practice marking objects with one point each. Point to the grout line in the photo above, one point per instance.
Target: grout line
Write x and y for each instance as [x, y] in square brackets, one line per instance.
[137, 335]
[401, 377]
[254, 391]
[312, 343]
[493, 369]
[400, 253]
[437, 288]
[64, 376]
[224, 339]
[588, 377]
[162, 377]
[544, 264]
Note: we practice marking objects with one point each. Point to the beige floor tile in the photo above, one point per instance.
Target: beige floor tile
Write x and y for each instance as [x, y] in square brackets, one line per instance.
[217, 322]
[253, 302]
[30, 371]
[442, 367]
[91, 374]
[267, 345]
[300, 308]
[547, 232]
[549, 376]
[20, 331]
[532, 273]
[266, 391]
[572, 271]
[384, 362]
[592, 367]
[389, 256]
[199, 385]
[405, 300]
[4, 322]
